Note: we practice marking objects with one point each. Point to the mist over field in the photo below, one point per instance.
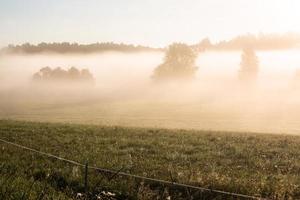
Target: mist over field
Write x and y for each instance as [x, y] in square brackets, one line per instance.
[125, 93]
[149, 99]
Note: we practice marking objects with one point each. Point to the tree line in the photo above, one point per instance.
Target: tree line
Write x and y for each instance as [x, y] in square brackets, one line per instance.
[59, 74]
[66, 47]
[259, 42]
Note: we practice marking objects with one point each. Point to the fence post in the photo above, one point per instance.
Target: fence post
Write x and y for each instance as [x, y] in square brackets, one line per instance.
[86, 178]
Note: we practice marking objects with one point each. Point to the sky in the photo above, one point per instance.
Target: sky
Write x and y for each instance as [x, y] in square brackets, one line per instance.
[155, 23]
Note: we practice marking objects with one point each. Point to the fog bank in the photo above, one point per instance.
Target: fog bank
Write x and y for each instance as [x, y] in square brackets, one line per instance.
[125, 94]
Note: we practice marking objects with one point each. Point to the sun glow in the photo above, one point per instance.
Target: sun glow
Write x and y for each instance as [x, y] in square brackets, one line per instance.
[141, 22]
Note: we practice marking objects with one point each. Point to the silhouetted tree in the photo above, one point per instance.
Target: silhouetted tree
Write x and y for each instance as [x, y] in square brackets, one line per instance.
[73, 73]
[249, 66]
[59, 74]
[46, 72]
[179, 63]
[203, 45]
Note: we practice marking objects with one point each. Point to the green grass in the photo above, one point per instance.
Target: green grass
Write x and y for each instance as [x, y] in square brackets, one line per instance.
[255, 164]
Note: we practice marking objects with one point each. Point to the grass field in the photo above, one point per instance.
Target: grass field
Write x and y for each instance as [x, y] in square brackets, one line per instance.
[263, 165]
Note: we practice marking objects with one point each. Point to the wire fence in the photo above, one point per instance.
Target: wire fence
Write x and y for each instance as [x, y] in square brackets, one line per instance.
[115, 173]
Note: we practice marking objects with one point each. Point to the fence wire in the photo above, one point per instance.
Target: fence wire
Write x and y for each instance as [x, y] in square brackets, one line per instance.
[124, 174]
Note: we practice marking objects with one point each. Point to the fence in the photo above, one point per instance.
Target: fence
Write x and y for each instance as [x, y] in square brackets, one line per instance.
[115, 173]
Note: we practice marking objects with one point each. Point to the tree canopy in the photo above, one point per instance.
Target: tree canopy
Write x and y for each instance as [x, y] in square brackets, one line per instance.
[179, 63]
[59, 74]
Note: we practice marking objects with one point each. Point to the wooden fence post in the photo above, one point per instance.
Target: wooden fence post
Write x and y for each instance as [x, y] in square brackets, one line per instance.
[86, 178]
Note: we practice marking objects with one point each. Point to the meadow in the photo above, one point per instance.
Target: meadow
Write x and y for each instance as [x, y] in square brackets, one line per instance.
[257, 164]
[149, 100]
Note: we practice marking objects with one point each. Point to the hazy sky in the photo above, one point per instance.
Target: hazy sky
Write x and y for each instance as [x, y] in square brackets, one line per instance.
[147, 22]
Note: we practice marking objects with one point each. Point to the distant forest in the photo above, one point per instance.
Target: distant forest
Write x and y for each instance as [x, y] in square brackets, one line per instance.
[256, 42]
[66, 47]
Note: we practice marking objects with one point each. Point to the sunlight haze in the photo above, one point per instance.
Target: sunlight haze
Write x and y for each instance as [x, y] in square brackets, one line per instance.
[149, 22]
[149, 99]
